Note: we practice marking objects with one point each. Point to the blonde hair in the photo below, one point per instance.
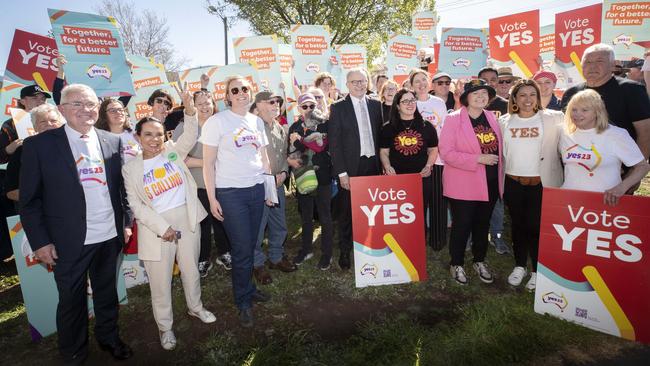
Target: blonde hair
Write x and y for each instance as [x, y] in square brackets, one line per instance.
[591, 100]
[383, 88]
[229, 80]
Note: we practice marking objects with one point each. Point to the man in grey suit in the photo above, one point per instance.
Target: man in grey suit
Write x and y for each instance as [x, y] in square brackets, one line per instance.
[355, 124]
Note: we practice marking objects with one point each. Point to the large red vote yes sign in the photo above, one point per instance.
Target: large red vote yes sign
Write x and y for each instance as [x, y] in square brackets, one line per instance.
[388, 229]
[594, 262]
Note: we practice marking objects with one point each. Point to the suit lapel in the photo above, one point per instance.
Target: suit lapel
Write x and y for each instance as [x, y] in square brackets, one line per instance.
[65, 151]
[352, 113]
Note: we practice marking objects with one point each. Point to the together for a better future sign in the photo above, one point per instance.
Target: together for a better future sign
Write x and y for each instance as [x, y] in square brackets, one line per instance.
[388, 229]
[593, 264]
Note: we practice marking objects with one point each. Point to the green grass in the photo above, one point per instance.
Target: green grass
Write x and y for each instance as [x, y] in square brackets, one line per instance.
[320, 318]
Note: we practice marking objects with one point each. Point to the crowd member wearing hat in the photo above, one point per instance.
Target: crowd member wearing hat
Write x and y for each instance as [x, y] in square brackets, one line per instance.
[30, 97]
[635, 72]
[546, 81]
[409, 144]
[531, 135]
[267, 107]
[44, 117]
[499, 107]
[471, 146]
[386, 95]
[626, 101]
[234, 164]
[440, 85]
[311, 122]
[434, 111]
[206, 107]
[506, 79]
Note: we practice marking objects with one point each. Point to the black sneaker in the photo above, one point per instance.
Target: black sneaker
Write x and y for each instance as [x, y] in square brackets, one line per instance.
[259, 296]
[225, 260]
[204, 268]
[325, 263]
[302, 257]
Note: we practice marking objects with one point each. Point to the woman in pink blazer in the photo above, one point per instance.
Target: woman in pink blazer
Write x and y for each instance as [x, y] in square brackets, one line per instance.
[471, 144]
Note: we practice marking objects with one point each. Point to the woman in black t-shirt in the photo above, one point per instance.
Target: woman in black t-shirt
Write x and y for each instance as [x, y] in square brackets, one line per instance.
[408, 144]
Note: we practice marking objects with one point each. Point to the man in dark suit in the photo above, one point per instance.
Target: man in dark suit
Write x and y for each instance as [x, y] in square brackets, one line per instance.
[72, 206]
[355, 124]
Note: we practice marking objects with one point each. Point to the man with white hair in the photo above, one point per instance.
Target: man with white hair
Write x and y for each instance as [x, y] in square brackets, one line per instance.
[626, 101]
[72, 207]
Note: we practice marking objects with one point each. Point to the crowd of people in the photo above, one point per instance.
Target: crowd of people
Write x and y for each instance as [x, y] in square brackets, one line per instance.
[91, 183]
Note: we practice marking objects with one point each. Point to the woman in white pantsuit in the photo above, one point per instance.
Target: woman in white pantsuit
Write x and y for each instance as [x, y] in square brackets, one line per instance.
[162, 195]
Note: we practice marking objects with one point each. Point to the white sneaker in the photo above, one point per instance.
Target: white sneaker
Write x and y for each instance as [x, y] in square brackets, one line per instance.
[517, 276]
[530, 285]
[225, 260]
[205, 316]
[483, 272]
[458, 274]
[168, 340]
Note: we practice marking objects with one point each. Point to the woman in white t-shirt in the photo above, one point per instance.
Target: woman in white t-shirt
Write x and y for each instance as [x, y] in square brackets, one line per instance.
[162, 195]
[433, 110]
[234, 165]
[530, 150]
[593, 150]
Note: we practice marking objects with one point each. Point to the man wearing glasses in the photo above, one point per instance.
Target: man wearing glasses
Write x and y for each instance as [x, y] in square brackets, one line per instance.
[73, 210]
[355, 123]
[506, 81]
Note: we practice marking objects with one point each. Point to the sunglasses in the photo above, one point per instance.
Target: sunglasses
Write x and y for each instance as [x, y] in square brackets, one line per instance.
[235, 90]
[308, 106]
[318, 97]
[508, 81]
[443, 82]
[163, 101]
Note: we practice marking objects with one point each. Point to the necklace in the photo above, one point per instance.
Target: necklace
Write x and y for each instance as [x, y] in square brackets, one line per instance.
[410, 124]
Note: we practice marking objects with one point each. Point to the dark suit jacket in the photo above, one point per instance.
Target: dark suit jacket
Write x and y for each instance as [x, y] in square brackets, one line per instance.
[52, 201]
[345, 142]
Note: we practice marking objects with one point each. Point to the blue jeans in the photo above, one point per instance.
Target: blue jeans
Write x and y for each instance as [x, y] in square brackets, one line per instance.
[275, 218]
[496, 220]
[242, 213]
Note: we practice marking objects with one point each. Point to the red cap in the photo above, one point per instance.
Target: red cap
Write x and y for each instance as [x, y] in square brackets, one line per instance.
[545, 74]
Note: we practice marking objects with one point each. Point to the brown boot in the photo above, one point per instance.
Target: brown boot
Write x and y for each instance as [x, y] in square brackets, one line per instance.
[262, 276]
[284, 265]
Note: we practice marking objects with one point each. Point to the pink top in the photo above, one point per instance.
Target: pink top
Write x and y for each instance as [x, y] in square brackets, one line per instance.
[464, 177]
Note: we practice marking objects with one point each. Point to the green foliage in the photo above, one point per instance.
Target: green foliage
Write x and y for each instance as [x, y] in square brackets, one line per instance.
[369, 23]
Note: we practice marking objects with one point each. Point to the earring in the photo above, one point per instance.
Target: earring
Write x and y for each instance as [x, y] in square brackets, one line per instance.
[515, 108]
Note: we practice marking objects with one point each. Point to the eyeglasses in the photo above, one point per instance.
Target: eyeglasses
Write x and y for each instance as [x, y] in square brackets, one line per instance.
[507, 81]
[308, 106]
[271, 101]
[164, 101]
[79, 105]
[407, 101]
[358, 82]
[235, 90]
[443, 82]
[116, 110]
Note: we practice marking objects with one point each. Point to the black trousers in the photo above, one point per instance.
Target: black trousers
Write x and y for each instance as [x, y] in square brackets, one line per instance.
[99, 262]
[437, 209]
[208, 225]
[322, 200]
[525, 207]
[367, 167]
[471, 217]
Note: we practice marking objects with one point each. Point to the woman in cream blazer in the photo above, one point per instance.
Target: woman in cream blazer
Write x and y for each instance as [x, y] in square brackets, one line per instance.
[162, 196]
[532, 160]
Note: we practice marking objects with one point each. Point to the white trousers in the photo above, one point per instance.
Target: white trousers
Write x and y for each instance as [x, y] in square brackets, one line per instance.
[186, 253]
